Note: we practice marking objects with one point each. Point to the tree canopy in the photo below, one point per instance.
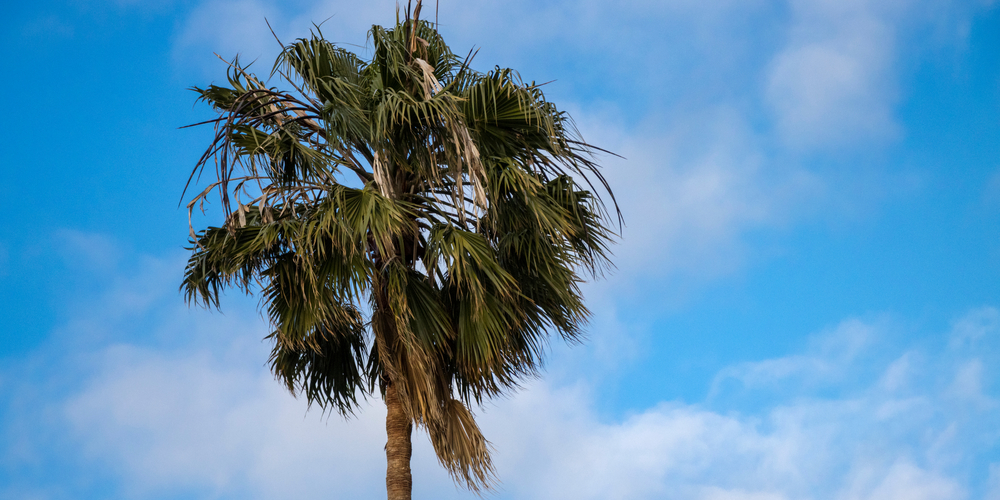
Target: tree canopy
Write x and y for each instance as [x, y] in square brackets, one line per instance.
[408, 222]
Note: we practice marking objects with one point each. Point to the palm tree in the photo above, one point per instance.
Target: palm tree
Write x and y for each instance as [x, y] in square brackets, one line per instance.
[414, 227]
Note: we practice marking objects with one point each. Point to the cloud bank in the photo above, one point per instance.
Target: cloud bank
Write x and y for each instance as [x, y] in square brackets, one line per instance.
[186, 407]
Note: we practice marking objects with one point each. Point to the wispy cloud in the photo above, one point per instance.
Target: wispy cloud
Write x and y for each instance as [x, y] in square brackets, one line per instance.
[826, 361]
[690, 191]
[833, 84]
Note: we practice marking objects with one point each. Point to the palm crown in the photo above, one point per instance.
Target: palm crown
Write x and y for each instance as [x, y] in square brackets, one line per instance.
[413, 227]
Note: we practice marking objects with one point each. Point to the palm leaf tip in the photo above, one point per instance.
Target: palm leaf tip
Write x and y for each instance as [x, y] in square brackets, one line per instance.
[462, 449]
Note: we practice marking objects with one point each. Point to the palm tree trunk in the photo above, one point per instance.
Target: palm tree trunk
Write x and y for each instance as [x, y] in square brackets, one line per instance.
[398, 427]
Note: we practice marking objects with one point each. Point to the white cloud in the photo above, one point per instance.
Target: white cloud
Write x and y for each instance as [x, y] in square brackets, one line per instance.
[975, 326]
[227, 28]
[827, 361]
[93, 250]
[898, 374]
[713, 493]
[552, 445]
[690, 191]
[902, 480]
[169, 422]
[968, 383]
[836, 82]
[202, 417]
[833, 83]
[240, 27]
[993, 483]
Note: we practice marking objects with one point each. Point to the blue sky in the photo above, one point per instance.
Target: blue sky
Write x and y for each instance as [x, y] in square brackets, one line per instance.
[807, 299]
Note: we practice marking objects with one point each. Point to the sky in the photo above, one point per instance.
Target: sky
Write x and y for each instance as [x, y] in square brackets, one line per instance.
[806, 303]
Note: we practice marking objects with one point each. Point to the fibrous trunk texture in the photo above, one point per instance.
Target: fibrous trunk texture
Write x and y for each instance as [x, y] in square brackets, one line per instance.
[398, 428]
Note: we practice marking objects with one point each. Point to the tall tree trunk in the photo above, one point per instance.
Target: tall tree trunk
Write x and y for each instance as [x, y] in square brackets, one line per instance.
[398, 428]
